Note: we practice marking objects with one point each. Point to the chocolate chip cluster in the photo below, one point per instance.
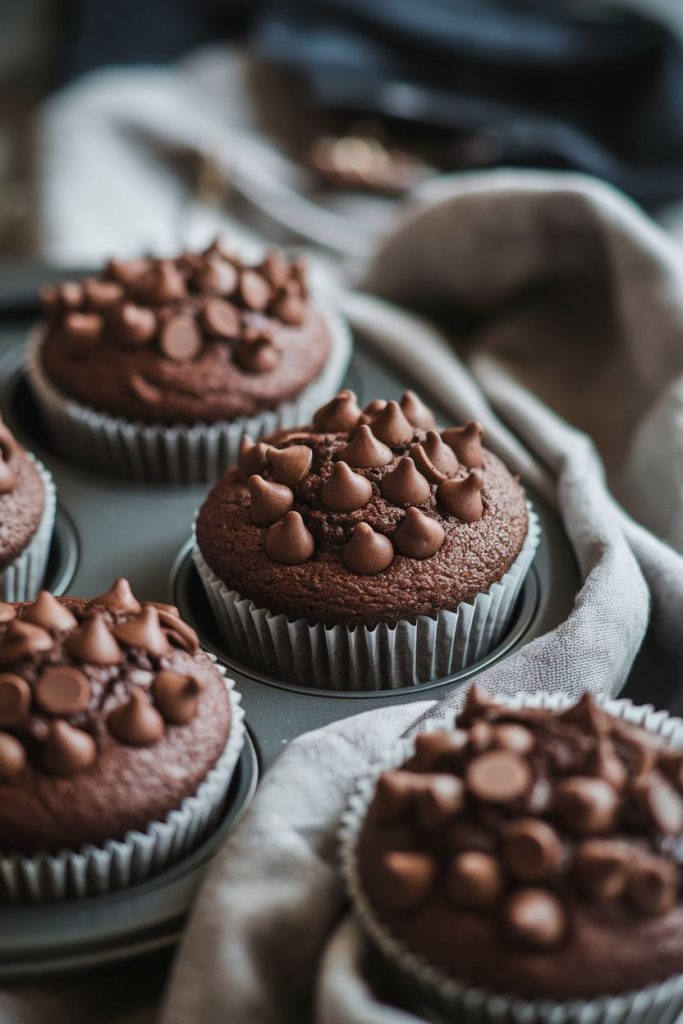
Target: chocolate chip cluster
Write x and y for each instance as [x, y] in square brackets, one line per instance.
[8, 447]
[180, 305]
[72, 671]
[524, 815]
[389, 451]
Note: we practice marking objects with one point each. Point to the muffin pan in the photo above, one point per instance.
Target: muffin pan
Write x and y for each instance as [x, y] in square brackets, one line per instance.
[110, 527]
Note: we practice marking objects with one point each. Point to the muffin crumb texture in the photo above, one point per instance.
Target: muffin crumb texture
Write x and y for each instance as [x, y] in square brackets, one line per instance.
[22, 497]
[201, 338]
[109, 716]
[365, 516]
[533, 852]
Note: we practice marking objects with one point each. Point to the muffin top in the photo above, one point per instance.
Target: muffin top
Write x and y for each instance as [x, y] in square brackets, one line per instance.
[364, 517]
[203, 337]
[533, 852]
[22, 497]
[110, 716]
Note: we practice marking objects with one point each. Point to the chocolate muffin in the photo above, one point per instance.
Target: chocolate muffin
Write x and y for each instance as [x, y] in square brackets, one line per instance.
[529, 852]
[172, 345]
[27, 512]
[365, 519]
[110, 718]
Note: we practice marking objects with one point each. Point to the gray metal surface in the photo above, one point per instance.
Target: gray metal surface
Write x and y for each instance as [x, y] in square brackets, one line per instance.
[141, 532]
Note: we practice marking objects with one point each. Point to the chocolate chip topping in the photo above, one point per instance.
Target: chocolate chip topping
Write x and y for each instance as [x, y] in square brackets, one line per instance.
[74, 668]
[358, 488]
[466, 443]
[465, 817]
[182, 305]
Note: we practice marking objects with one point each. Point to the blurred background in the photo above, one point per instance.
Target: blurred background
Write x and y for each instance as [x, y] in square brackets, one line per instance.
[143, 125]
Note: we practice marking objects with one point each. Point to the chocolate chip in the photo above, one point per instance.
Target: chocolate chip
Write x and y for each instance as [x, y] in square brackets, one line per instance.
[367, 552]
[288, 542]
[480, 737]
[15, 699]
[602, 868]
[133, 325]
[442, 748]
[269, 501]
[589, 715]
[180, 339]
[8, 479]
[535, 919]
[177, 632]
[345, 491]
[12, 758]
[162, 283]
[475, 881]
[126, 271]
[83, 330]
[70, 294]
[405, 485]
[176, 696]
[274, 268]
[254, 290]
[466, 443]
[418, 535]
[68, 750]
[93, 643]
[22, 640]
[416, 412]
[462, 498]
[439, 454]
[395, 796]
[290, 309]
[661, 804]
[253, 458]
[220, 318]
[653, 885]
[144, 631]
[62, 690]
[423, 464]
[586, 805]
[409, 877]
[510, 736]
[119, 598]
[391, 427]
[101, 295]
[136, 722]
[48, 612]
[532, 850]
[440, 798]
[340, 415]
[499, 777]
[372, 410]
[215, 277]
[256, 354]
[142, 389]
[364, 451]
[606, 764]
[290, 465]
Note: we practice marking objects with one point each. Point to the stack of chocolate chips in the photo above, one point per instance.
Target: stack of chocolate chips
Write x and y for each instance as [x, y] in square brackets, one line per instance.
[388, 454]
[524, 815]
[179, 306]
[69, 670]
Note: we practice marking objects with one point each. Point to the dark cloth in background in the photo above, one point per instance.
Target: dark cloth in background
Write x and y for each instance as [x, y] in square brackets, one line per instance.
[526, 84]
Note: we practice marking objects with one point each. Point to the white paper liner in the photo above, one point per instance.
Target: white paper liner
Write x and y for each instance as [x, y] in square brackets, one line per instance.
[445, 999]
[23, 578]
[180, 453]
[95, 870]
[377, 657]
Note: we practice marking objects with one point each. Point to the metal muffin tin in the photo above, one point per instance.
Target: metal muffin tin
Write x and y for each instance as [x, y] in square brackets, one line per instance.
[108, 528]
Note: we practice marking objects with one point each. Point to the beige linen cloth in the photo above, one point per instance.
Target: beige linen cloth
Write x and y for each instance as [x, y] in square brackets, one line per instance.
[556, 290]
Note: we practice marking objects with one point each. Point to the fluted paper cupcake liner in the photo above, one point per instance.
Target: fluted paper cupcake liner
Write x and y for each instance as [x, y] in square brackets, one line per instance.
[179, 453]
[442, 998]
[23, 578]
[368, 657]
[117, 864]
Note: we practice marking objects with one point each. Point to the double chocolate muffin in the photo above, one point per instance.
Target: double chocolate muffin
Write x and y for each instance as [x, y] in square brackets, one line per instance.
[110, 716]
[205, 339]
[27, 510]
[365, 518]
[531, 853]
